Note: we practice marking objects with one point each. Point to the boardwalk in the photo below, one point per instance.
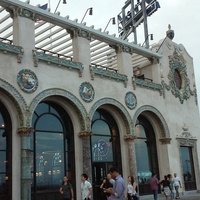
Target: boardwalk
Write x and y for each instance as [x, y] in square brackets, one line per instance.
[193, 195]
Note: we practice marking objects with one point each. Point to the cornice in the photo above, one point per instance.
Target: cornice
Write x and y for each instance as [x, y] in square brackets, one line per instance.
[12, 49]
[108, 73]
[60, 62]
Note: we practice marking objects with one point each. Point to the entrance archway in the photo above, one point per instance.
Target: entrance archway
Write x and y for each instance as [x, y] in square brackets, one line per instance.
[105, 148]
[53, 150]
[146, 153]
[5, 154]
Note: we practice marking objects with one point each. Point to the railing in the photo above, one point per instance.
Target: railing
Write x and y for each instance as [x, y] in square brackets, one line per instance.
[53, 53]
[7, 40]
[108, 73]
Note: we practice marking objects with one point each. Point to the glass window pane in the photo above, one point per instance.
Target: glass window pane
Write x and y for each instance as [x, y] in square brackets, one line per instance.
[2, 183]
[49, 159]
[140, 131]
[2, 140]
[101, 149]
[1, 121]
[42, 108]
[142, 158]
[49, 122]
[2, 161]
[100, 128]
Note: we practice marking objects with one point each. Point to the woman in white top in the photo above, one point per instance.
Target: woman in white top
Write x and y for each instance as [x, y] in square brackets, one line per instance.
[131, 188]
[86, 188]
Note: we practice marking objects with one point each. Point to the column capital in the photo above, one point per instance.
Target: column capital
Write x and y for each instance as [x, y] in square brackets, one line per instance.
[79, 33]
[25, 131]
[83, 134]
[165, 140]
[129, 137]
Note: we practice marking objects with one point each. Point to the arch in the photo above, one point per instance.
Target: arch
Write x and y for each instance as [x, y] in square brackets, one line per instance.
[152, 114]
[77, 105]
[122, 110]
[16, 98]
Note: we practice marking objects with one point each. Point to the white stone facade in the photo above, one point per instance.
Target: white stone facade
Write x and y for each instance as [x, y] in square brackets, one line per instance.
[172, 111]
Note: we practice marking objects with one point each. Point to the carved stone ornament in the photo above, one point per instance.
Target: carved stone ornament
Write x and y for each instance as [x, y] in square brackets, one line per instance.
[86, 92]
[130, 100]
[178, 68]
[25, 131]
[85, 134]
[27, 80]
[129, 137]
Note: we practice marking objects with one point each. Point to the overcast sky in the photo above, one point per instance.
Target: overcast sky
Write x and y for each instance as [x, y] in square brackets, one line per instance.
[183, 15]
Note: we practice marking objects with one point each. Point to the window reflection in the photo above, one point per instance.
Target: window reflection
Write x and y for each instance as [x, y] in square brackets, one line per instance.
[101, 140]
[145, 149]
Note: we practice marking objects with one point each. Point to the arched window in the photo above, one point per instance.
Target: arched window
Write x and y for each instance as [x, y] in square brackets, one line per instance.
[52, 147]
[146, 154]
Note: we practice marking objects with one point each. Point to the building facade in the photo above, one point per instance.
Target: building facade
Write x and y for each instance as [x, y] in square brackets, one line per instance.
[76, 100]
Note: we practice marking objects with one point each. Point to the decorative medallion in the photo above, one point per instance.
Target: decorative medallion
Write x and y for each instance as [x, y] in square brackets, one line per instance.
[178, 78]
[130, 100]
[86, 92]
[27, 80]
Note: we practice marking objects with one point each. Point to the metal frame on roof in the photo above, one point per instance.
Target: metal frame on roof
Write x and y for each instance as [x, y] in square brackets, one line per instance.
[52, 33]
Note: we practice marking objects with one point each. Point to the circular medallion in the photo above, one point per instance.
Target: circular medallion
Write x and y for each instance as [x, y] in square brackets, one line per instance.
[130, 100]
[27, 80]
[86, 92]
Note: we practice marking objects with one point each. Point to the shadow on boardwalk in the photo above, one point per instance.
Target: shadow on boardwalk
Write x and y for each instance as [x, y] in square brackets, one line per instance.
[192, 195]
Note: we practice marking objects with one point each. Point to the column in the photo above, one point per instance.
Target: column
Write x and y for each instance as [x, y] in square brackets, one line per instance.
[124, 62]
[87, 167]
[26, 162]
[81, 50]
[24, 33]
[131, 154]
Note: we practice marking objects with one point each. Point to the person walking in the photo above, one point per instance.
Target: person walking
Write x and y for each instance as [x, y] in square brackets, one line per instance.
[177, 184]
[86, 188]
[170, 178]
[154, 183]
[66, 189]
[131, 189]
[166, 187]
[118, 190]
[107, 182]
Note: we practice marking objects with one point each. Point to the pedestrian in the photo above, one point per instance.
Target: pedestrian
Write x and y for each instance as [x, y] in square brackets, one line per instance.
[66, 189]
[170, 178]
[154, 183]
[107, 182]
[132, 189]
[86, 188]
[177, 184]
[118, 190]
[166, 187]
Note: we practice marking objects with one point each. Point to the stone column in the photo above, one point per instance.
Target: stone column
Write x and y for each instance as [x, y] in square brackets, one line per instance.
[124, 62]
[81, 50]
[87, 167]
[24, 33]
[131, 154]
[26, 162]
